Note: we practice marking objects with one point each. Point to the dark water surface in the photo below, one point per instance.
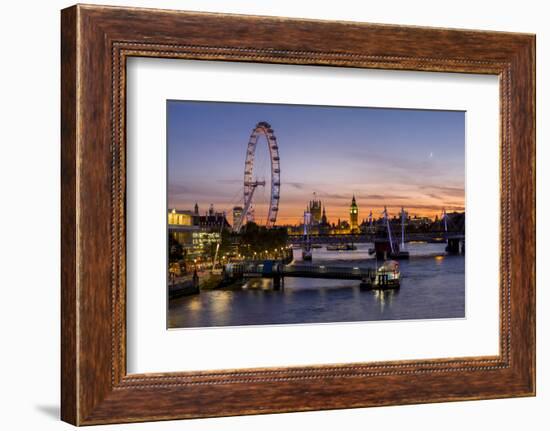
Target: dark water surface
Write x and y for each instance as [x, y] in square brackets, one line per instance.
[432, 286]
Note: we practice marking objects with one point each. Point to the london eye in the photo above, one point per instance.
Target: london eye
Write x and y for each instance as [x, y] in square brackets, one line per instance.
[252, 180]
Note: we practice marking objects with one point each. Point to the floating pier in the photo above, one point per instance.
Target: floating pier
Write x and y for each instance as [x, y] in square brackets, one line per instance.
[387, 276]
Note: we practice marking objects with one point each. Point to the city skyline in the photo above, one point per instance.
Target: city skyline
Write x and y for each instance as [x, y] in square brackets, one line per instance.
[204, 209]
[385, 157]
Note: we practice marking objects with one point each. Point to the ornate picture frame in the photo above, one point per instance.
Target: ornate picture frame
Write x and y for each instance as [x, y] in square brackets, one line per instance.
[96, 41]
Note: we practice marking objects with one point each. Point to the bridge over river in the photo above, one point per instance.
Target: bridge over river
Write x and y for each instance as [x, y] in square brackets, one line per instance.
[368, 277]
[430, 237]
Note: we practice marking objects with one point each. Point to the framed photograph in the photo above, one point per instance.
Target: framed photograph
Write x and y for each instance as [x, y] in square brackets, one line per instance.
[265, 215]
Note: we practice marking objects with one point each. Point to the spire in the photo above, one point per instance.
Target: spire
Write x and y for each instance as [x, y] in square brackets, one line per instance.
[353, 200]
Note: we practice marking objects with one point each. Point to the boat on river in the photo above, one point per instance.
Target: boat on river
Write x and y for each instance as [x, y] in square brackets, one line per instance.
[387, 276]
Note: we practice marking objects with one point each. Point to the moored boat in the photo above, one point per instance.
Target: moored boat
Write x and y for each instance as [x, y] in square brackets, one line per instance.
[386, 276]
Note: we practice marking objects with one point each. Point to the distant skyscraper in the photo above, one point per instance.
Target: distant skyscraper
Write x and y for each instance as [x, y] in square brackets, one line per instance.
[353, 216]
[237, 214]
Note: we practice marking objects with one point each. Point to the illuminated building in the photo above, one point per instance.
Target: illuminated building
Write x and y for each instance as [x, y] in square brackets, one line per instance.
[314, 208]
[213, 220]
[237, 214]
[181, 225]
[194, 232]
[202, 241]
[180, 218]
[353, 216]
[419, 222]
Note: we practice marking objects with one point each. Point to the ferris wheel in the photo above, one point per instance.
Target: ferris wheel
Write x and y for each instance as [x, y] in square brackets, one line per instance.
[252, 181]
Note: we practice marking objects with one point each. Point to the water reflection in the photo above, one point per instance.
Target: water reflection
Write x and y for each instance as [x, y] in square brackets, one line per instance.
[432, 286]
[385, 297]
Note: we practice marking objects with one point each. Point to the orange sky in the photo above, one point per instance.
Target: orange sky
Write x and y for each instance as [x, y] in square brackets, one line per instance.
[294, 215]
[386, 157]
[420, 200]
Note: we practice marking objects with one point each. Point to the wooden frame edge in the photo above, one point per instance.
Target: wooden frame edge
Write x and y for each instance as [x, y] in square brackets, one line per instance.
[69, 305]
[85, 402]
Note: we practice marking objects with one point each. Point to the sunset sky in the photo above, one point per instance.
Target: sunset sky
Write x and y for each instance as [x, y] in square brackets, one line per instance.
[393, 157]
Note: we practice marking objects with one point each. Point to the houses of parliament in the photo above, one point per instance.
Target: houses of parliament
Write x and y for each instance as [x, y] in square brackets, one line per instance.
[321, 225]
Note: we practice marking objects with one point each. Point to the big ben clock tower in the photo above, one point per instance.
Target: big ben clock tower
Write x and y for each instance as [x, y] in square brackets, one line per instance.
[353, 216]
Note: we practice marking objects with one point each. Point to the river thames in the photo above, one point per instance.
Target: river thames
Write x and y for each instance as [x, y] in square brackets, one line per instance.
[432, 287]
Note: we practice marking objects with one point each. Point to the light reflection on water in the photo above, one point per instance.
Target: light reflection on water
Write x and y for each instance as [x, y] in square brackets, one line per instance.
[432, 286]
